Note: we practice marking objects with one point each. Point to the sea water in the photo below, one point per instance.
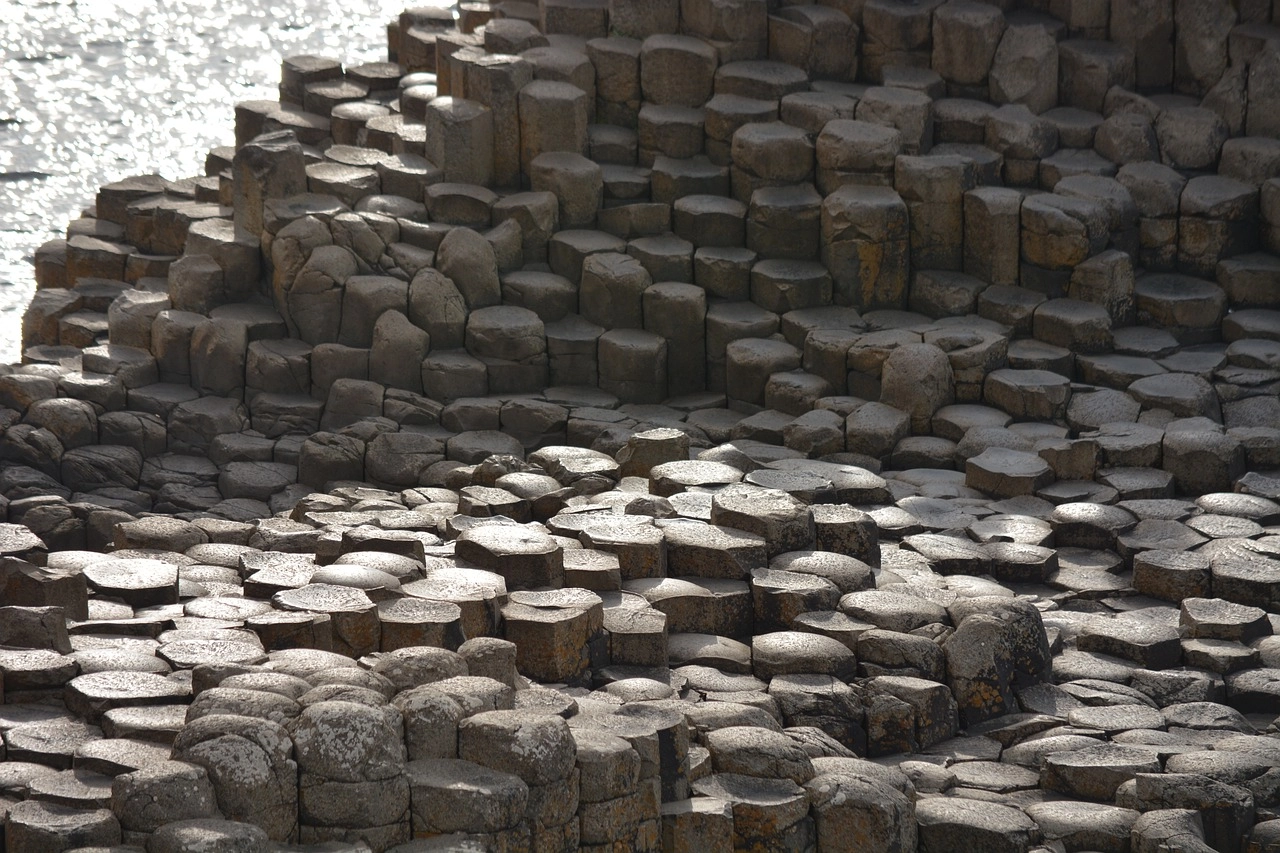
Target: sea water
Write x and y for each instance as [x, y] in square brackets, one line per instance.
[92, 91]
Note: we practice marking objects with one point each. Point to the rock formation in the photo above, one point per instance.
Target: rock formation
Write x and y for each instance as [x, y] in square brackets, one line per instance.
[638, 425]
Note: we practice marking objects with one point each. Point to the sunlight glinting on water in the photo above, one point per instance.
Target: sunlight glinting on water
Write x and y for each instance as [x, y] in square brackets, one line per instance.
[92, 91]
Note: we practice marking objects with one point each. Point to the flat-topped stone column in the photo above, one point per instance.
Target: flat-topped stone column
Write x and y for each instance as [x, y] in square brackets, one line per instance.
[460, 139]
[266, 168]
